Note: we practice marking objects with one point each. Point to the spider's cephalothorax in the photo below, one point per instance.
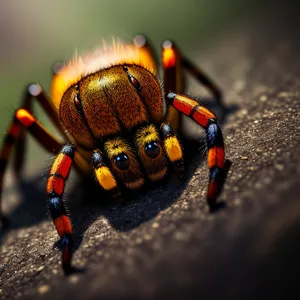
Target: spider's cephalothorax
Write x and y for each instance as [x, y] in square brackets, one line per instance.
[119, 123]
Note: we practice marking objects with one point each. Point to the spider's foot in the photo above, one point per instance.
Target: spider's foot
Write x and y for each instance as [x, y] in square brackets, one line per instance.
[66, 242]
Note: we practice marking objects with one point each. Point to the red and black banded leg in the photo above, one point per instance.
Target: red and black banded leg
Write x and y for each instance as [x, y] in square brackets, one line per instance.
[59, 173]
[24, 119]
[215, 143]
[32, 92]
[174, 63]
[216, 160]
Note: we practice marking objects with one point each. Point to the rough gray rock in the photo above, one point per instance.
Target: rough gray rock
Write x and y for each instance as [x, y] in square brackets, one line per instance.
[164, 243]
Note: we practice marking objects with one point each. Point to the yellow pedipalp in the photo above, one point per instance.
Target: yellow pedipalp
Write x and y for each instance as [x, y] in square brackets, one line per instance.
[105, 178]
[173, 149]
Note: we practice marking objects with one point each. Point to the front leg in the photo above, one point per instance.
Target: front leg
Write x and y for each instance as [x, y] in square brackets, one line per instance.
[214, 140]
[59, 173]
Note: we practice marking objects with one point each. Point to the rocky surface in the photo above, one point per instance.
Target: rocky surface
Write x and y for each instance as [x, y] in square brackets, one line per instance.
[164, 242]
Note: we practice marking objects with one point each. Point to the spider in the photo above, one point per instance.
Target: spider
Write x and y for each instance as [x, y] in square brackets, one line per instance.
[119, 123]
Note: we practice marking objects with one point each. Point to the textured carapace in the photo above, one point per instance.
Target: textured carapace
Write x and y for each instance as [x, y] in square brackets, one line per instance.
[101, 104]
[118, 53]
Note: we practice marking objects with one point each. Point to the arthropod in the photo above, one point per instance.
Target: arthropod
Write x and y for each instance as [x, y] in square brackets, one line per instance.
[119, 124]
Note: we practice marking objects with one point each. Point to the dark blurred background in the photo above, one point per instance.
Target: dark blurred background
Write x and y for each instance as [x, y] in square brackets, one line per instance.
[35, 34]
[249, 248]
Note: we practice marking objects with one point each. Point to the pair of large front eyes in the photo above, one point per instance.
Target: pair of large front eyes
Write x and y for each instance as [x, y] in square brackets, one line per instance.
[122, 161]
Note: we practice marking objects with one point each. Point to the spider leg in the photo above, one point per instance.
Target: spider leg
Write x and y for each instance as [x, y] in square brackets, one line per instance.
[59, 172]
[33, 91]
[173, 65]
[214, 140]
[58, 175]
[173, 79]
[204, 79]
[24, 119]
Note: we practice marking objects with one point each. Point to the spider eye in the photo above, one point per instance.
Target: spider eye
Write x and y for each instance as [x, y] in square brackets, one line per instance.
[122, 161]
[152, 149]
[134, 82]
[77, 102]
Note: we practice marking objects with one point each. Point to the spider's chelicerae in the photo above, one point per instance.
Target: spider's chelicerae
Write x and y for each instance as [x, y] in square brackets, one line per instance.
[119, 123]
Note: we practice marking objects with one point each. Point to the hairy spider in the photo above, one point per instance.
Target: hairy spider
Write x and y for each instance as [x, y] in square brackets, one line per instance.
[119, 124]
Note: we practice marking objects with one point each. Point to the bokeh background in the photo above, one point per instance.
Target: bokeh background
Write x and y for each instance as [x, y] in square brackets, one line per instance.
[35, 34]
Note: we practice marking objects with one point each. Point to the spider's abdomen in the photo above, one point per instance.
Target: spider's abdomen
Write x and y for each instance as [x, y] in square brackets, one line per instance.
[101, 104]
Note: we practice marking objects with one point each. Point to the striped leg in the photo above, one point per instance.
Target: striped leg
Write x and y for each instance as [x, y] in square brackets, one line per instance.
[174, 63]
[33, 92]
[55, 188]
[24, 119]
[215, 143]
[172, 148]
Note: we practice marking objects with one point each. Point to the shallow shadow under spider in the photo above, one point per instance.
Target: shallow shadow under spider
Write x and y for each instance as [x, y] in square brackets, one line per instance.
[87, 201]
